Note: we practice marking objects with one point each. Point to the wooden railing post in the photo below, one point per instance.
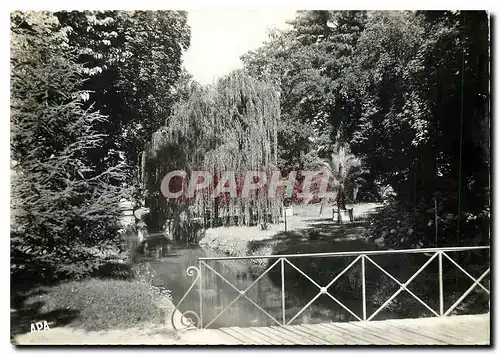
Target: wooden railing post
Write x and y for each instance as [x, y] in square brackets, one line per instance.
[363, 285]
[441, 300]
[283, 307]
[200, 290]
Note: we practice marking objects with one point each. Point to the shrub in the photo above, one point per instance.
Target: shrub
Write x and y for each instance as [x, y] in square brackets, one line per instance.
[404, 226]
[259, 265]
[114, 270]
[225, 243]
[144, 272]
[107, 304]
[314, 234]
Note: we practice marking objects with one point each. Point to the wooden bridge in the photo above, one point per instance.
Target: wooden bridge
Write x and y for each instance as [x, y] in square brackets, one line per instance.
[454, 330]
[442, 328]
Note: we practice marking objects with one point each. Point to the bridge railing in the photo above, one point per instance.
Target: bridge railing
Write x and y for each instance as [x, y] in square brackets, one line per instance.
[194, 319]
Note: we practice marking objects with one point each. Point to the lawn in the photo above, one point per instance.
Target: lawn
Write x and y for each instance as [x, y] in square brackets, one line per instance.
[306, 224]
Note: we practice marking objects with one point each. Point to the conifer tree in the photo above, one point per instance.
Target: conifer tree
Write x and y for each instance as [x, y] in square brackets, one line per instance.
[65, 216]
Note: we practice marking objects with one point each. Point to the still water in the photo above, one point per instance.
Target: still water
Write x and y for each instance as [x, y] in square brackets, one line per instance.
[220, 309]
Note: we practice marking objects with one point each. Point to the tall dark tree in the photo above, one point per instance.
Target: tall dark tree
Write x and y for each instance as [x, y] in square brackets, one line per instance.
[307, 62]
[407, 90]
[133, 60]
[65, 214]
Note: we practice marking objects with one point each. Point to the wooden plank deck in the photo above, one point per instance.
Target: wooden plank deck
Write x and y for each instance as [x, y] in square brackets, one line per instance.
[454, 330]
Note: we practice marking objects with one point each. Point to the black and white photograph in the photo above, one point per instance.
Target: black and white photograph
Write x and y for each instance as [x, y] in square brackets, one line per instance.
[250, 177]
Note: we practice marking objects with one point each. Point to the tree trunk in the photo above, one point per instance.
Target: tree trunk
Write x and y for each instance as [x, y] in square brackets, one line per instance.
[341, 199]
[216, 212]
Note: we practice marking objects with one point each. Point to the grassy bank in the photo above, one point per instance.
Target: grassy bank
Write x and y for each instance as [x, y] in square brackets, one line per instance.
[307, 231]
[93, 304]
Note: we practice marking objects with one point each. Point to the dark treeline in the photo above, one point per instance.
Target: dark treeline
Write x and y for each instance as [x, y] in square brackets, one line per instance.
[409, 92]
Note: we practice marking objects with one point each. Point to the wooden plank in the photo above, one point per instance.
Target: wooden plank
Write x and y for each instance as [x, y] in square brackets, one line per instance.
[408, 337]
[366, 332]
[300, 339]
[426, 335]
[292, 336]
[452, 336]
[459, 330]
[359, 332]
[354, 337]
[448, 328]
[262, 335]
[358, 338]
[461, 319]
[337, 336]
[327, 338]
[479, 324]
[306, 334]
[225, 338]
[427, 332]
[320, 332]
[479, 334]
[484, 327]
[206, 337]
[380, 333]
[250, 335]
[456, 331]
[243, 339]
[473, 326]
[411, 333]
[273, 339]
[468, 318]
[282, 335]
[439, 330]
[464, 327]
[431, 336]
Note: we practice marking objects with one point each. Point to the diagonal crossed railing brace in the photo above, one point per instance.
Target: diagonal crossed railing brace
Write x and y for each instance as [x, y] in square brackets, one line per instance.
[361, 256]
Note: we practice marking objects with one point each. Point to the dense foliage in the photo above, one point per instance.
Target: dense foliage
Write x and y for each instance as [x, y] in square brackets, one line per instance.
[408, 91]
[87, 90]
[133, 61]
[65, 214]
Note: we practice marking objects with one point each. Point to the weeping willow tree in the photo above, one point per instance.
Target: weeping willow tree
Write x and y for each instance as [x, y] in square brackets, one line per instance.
[229, 126]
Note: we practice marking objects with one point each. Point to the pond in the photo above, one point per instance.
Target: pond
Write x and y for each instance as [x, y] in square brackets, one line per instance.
[220, 309]
[219, 295]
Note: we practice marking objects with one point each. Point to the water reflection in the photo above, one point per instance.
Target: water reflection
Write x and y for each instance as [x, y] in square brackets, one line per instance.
[220, 308]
